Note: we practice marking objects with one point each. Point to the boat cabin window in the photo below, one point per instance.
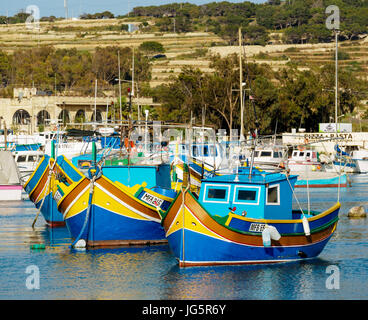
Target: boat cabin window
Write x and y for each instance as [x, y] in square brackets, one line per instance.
[273, 195]
[308, 154]
[301, 154]
[217, 193]
[204, 151]
[256, 153]
[276, 155]
[32, 158]
[213, 151]
[195, 151]
[295, 153]
[266, 154]
[21, 159]
[247, 195]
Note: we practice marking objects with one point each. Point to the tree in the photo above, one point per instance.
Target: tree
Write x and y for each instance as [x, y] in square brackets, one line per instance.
[151, 47]
[5, 68]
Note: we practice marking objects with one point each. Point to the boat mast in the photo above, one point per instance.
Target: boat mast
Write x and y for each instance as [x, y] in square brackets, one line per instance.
[336, 77]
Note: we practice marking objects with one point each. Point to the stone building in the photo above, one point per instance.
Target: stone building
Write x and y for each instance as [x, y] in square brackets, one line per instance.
[30, 110]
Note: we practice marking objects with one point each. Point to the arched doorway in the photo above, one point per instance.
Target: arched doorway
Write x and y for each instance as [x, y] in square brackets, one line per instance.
[21, 117]
[64, 117]
[80, 117]
[43, 118]
[98, 116]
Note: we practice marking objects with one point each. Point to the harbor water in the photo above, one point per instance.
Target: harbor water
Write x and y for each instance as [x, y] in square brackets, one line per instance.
[340, 272]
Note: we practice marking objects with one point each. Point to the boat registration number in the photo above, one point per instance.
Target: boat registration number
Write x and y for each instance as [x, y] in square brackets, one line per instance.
[152, 200]
[257, 227]
[57, 196]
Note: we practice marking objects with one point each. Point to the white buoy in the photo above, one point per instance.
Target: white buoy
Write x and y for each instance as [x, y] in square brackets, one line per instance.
[274, 234]
[266, 237]
[306, 226]
[81, 244]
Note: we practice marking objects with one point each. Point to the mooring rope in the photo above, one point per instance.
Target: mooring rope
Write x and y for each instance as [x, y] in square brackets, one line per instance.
[46, 187]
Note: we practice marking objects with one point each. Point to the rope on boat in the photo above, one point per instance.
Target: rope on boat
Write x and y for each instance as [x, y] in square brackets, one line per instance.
[304, 219]
[91, 189]
[51, 170]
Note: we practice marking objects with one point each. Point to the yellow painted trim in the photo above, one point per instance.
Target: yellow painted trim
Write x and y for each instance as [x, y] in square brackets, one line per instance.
[67, 189]
[36, 185]
[128, 192]
[319, 216]
[229, 219]
[34, 172]
[158, 195]
[200, 164]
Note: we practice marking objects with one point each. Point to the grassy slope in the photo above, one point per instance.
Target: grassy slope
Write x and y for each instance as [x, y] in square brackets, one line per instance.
[181, 49]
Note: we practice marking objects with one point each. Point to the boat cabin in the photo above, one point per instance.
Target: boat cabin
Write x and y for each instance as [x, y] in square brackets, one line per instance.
[27, 158]
[304, 155]
[267, 154]
[208, 153]
[264, 195]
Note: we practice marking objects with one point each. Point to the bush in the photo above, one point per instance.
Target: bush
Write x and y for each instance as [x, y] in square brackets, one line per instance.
[152, 47]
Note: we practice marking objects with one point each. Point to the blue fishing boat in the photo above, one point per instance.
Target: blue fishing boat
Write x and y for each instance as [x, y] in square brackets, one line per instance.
[245, 219]
[116, 204]
[41, 183]
[204, 160]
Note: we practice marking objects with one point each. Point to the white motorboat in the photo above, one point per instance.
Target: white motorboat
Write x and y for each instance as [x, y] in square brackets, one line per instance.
[361, 159]
[27, 162]
[268, 157]
[304, 160]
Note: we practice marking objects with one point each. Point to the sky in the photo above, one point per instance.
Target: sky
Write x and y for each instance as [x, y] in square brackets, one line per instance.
[78, 7]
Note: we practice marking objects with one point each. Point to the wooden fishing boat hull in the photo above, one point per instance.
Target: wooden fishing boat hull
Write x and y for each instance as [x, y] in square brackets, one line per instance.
[115, 217]
[196, 238]
[40, 191]
[37, 189]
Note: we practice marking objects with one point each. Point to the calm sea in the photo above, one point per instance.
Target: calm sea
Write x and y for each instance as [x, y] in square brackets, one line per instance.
[152, 272]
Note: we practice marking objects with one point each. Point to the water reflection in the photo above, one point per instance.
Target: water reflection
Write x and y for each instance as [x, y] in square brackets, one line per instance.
[120, 273]
[153, 272]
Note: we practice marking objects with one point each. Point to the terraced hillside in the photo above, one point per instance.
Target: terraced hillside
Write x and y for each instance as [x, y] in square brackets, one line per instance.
[187, 49]
[181, 49]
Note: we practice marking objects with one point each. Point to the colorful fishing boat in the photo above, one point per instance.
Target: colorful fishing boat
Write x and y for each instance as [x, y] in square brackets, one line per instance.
[116, 205]
[204, 160]
[40, 185]
[245, 219]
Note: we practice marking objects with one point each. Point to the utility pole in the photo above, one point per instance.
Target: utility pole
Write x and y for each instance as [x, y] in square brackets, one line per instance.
[95, 102]
[133, 73]
[121, 116]
[333, 23]
[241, 86]
[66, 9]
[336, 76]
